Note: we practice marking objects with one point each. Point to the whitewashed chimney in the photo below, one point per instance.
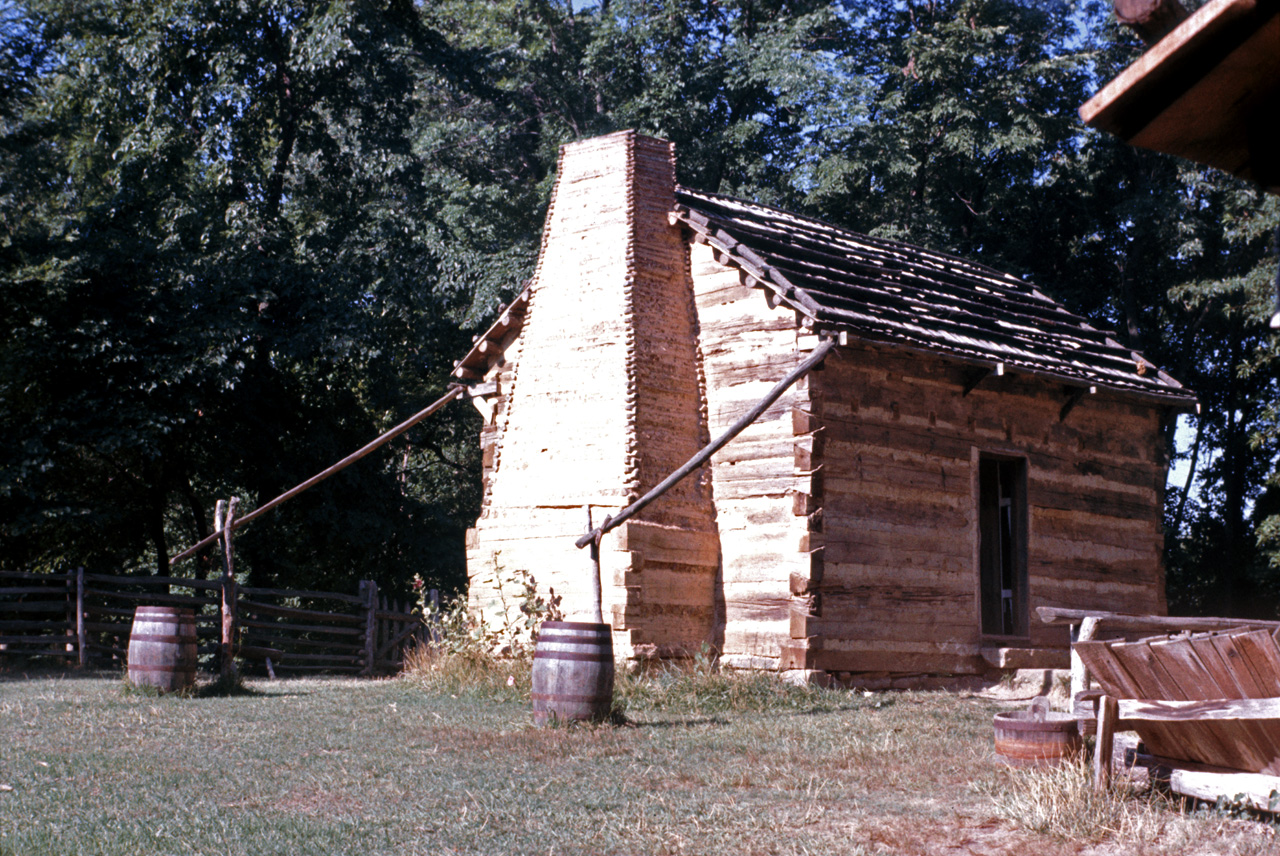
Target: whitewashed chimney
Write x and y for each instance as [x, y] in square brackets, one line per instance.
[606, 402]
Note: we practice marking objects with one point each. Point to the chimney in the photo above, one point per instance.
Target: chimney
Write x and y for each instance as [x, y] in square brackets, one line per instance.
[607, 398]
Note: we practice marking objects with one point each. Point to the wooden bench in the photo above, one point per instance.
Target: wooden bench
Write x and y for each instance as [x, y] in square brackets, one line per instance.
[1203, 704]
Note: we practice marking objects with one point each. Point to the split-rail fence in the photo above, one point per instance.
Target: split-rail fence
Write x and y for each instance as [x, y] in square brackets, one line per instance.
[85, 618]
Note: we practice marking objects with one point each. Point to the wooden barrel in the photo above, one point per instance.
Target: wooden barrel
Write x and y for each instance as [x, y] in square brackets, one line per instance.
[162, 648]
[1027, 738]
[572, 671]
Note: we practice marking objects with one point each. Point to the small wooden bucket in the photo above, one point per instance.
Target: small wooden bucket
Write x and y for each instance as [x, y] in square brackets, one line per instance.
[162, 648]
[1037, 737]
[572, 671]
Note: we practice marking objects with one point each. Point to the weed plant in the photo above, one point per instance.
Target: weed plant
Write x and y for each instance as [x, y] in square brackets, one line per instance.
[469, 655]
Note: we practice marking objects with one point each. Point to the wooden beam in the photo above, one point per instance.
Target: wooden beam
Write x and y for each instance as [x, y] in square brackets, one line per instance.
[1211, 710]
[1074, 395]
[381, 440]
[976, 376]
[1206, 782]
[819, 354]
[1108, 710]
[1156, 623]
[1026, 658]
[1200, 92]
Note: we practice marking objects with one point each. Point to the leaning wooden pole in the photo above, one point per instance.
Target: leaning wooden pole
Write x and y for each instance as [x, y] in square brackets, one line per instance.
[818, 355]
[321, 476]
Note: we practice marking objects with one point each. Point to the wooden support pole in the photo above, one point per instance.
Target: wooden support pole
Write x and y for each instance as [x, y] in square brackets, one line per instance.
[1082, 632]
[321, 476]
[82, 633]
[818, 355]
[230, 594]
[369, 591]
[224, 517]
[597, 588]
[1108, 714]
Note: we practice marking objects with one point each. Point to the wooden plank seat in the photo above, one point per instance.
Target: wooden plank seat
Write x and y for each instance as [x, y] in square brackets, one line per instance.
[1207, 699]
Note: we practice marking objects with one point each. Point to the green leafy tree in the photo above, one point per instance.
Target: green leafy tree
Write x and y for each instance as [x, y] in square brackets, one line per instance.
[230, 274]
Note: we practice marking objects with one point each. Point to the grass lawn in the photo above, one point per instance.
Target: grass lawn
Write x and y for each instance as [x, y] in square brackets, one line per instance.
[708, 765]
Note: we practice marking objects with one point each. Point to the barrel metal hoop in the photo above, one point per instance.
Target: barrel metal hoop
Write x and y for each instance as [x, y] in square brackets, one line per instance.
[541, 654]
[155, 637]
[564, 697]
[552, 626]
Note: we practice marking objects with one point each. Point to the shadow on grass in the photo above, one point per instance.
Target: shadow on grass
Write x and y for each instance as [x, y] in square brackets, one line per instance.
[678, 723]
[40, 672]
[221, 687]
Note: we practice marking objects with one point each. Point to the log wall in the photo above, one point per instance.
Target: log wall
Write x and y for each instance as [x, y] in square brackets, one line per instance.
[898, 589]
[761, 492]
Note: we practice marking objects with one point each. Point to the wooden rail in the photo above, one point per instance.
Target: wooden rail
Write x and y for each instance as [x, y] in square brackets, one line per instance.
[85, 618]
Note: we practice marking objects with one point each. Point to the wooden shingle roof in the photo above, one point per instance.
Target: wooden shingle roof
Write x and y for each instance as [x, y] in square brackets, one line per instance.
[893, 293]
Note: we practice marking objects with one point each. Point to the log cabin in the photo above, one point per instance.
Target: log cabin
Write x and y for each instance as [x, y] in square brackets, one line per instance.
[970, 450]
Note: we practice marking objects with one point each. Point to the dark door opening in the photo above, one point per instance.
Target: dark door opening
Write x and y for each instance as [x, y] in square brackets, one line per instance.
[1002, 527]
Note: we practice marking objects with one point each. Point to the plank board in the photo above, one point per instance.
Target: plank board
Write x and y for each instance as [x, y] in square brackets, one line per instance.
[1199, 91]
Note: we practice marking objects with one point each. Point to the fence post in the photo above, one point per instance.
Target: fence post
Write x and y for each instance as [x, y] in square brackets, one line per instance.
[230, 592]
[224, 514]
[369, 591]
[82, 634]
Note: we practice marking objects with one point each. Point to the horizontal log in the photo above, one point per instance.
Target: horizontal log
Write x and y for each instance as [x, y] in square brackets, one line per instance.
[1247, 790]
[120, 628]
[1099, 501]
[42, 652]
[258, 651]
[295, 612]
[37, 640]
[1028, 658]
[304, 594]
[311, 667]
[301, 628]
[152, 598]
[287, 643]
[127, 614]
[31, 625]
[22, 591]
[1209, 783]
[1130, 621]
[36, 606]
[338, 659]
[176, 582]
[28, 575]
[1216, 710]
[881, 628]
[901, 663]
[107, 649]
